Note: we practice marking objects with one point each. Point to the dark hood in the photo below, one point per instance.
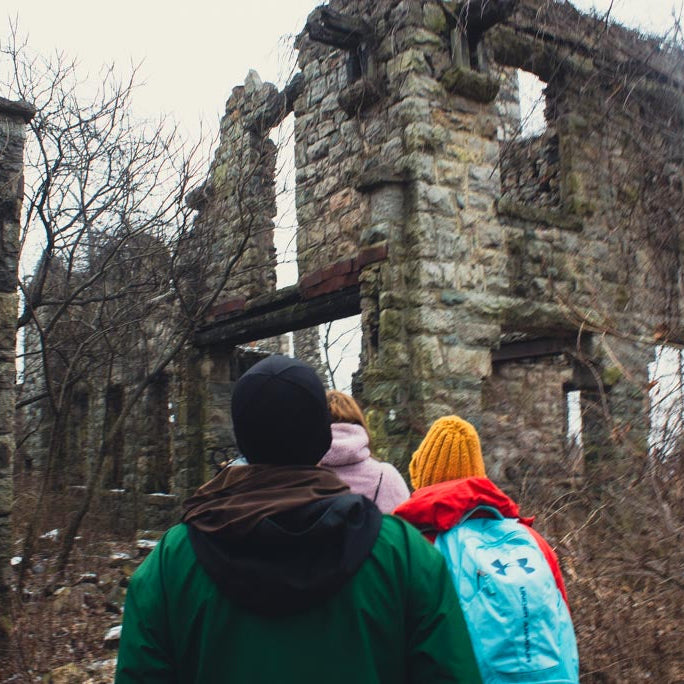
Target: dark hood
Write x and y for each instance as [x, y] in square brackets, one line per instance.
[278, 540]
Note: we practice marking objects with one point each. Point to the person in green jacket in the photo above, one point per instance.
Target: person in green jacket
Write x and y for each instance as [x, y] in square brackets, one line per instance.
[279, 574]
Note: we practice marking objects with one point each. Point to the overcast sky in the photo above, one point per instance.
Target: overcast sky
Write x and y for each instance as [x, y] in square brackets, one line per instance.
[193, 53]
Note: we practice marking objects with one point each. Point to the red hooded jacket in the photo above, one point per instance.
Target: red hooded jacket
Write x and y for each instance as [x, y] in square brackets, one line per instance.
[440, 506]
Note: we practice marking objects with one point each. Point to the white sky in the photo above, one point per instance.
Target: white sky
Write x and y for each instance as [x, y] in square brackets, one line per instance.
[193, 53]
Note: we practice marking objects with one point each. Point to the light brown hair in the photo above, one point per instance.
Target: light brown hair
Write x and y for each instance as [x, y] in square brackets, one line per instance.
[344, 409]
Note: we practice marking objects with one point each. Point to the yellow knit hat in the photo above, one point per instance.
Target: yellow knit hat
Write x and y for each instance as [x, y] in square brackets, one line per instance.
[450, 450]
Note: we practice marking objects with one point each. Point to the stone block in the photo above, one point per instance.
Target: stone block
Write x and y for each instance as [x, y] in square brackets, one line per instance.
[472, 333]
[490, 234]
[8, 316]
[418, 37]
[418, 166]
[350, 222]
[317, 91]
[329, 105]
[431, 320]
[318, 150]
[413, 84]
[420, 228]
[337, 153]
[410, 110]
[406, 13]
[476, 363]
[426, 355]
[434, 18]
[387, 204]
[410, 60]
[427, 274]
[451, 172]
[341, 200]
[484, 202]
[484, 179]
[326, 187]
[370, 255]
[393, 352]
[377, 232]
[391, 324]
[436, 198]
[392, 300]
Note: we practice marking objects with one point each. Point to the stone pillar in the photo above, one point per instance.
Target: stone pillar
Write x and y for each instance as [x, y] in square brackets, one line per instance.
[386, 376]
[13, 118]
[189, 406]
[307, 348]
[237, 204]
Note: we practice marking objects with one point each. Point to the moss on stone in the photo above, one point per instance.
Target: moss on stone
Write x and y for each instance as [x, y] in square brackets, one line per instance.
[434, 18]
[611, 375]
[552, 217]
[391, 324]
[470, 84]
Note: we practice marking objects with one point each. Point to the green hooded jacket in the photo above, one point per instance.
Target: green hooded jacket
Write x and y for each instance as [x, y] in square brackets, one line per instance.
[396, 620]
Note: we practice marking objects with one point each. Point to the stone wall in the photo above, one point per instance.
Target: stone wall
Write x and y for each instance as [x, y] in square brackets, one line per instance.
[13, 119]
[526, 421]
[230, 249]
[455, 239]
[415, 145]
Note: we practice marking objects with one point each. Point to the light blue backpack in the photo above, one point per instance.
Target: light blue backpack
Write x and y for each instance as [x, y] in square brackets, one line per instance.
[518, 621]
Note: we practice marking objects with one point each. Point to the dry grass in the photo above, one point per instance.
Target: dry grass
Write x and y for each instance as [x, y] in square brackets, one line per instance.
[619, 538]
[59, 624]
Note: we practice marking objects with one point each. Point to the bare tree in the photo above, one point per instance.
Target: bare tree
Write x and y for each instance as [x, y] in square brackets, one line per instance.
[113, 258]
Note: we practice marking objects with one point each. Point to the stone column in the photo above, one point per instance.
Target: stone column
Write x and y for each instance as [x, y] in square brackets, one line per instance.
[307, 347]
[13, 118]
[386, 377]
[189, 409]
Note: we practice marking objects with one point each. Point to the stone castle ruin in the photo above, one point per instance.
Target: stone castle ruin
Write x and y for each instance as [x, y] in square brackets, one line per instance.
[494, 274]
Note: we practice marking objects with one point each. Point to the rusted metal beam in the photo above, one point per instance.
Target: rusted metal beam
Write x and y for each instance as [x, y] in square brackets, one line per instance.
[278, 314]
[532, 349]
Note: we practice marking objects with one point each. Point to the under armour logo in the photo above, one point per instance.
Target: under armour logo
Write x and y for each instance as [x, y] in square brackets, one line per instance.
[521, 563]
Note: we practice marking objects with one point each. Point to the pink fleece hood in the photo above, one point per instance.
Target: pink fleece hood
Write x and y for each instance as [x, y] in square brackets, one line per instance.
[349, 445]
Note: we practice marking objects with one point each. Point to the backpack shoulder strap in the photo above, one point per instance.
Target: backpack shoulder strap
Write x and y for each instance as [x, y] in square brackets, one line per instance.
[377, 489]
[495, 513]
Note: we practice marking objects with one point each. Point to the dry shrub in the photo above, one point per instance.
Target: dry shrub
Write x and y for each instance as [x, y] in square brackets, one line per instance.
[619, 536]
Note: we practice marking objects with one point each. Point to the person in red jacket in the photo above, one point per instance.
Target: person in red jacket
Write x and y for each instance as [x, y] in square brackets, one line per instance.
[448, 473]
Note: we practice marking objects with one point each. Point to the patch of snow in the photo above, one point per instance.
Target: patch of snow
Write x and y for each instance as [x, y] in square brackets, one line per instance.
[147, 544]
[114, 634]
[52, 535]
[15, 560]
[88, 577]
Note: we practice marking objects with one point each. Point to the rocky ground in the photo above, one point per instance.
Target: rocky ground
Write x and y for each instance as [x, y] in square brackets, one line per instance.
[68, 634]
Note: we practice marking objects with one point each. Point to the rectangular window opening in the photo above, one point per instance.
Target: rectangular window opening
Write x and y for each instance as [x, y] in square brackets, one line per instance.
[665, 374]
[532, 105]
[340, 347]
[285, 232]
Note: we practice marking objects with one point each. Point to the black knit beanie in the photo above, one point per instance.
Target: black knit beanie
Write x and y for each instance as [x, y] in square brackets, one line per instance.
[280, 413]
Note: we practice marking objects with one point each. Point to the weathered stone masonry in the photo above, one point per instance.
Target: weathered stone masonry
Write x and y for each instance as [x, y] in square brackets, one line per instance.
[13, 119]
[492, 274]
[493, 259]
